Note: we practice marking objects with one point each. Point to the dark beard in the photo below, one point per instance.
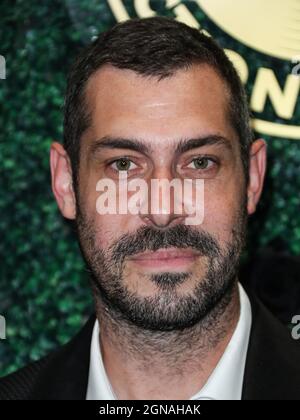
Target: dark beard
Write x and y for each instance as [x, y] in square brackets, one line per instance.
[166, 310]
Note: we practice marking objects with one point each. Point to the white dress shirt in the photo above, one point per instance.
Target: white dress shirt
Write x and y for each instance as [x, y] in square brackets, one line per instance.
[225, 382]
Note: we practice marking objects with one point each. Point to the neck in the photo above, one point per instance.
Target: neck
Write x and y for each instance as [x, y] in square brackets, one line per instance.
[143, 364]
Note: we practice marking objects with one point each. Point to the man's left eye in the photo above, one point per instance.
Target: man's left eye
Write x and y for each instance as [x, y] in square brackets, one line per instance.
[201, 163]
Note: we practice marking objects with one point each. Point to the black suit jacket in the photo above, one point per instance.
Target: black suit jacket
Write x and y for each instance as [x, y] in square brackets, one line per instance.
[272, 369]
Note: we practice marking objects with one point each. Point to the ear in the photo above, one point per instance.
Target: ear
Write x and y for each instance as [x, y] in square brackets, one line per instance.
[62, 182]
[257, 171]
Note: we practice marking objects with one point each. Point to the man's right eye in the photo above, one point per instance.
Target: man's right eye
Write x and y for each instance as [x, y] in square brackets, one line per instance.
[123, 165]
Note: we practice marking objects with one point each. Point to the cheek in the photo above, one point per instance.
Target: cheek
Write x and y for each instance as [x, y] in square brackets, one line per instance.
[88, 195]
[110, 228]
[222, 208]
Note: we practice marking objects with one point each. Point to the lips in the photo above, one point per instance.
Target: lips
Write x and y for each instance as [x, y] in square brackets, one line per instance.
[170, 259]
[166, 254]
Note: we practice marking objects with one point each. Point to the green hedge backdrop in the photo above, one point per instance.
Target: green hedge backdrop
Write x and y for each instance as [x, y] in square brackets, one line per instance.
[44, 293]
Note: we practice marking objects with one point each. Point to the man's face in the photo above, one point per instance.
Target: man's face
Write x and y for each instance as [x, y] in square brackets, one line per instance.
[175, 289]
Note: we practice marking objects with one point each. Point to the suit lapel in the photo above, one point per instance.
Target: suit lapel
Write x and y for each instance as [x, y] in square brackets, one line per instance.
[66, 374]
[273, 361]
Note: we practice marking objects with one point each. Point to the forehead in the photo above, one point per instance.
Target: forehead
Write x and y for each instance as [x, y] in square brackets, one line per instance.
[190, 102]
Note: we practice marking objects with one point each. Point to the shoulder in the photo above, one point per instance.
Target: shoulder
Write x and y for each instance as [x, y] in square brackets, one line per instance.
[20, 385]
[60, 375]
[273, 359]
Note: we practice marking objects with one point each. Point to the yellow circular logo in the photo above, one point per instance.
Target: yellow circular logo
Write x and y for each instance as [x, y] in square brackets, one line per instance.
[269, 26]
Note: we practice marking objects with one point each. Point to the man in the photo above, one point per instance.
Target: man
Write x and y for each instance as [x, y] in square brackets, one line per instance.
[157, 100]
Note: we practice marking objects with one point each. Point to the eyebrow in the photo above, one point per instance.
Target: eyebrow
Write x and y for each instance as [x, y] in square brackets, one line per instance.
[184, 145]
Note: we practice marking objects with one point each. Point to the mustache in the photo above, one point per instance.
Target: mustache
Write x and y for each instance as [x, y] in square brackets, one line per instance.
[149, 239]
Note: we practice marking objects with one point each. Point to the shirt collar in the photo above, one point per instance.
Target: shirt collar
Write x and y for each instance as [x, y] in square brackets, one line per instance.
[99, 387]
[225, 382]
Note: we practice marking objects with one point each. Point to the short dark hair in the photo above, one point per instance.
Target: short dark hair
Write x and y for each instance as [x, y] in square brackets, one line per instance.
[158, 47]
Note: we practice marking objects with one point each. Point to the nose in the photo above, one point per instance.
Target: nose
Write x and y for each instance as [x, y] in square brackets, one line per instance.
[161, 221]
[162, 210]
